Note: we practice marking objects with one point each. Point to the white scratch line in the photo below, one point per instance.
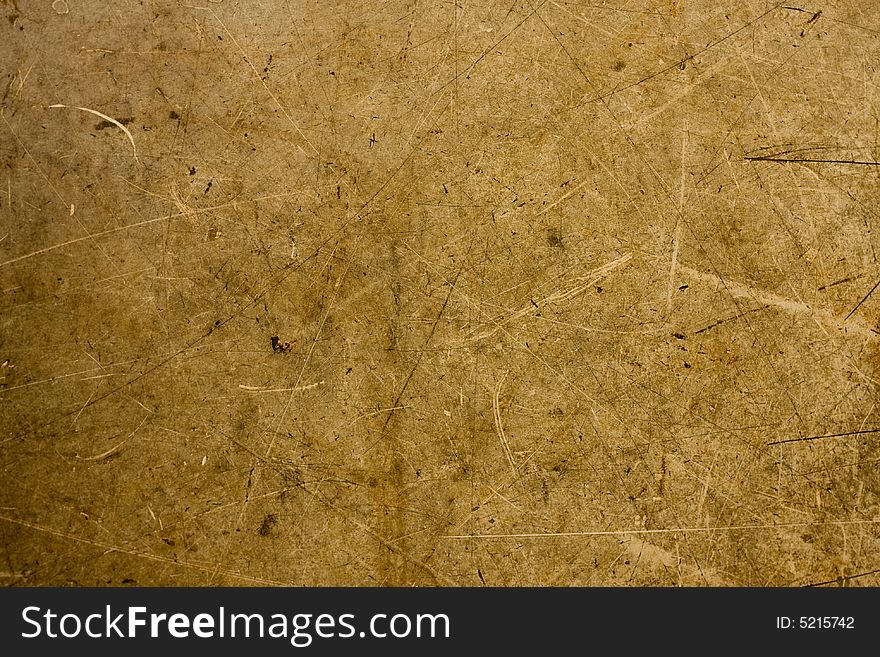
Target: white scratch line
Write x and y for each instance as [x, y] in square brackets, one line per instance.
[741, 290]
[115, 448]
[106, 118]
[562, 198]
[496, 410]
[138, 224]
[308, 354]
[583, 283]
[678, 530]
[673, 265]
[263, 83]
[49, 380]
[676, 240]
[296, 389]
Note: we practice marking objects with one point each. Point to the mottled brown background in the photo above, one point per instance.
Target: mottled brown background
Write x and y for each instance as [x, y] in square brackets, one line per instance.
[426, 292]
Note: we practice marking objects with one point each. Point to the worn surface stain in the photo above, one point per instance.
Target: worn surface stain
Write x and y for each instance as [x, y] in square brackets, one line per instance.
[439, 293]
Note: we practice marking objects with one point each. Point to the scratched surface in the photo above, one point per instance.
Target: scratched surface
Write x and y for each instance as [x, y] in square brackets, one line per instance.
[532, 292]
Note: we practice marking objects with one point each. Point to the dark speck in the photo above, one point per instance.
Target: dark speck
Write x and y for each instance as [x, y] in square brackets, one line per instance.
[619, 65]
[268, 525]
[103, 125]
[554, 238]
[174, 116]
[279, 347]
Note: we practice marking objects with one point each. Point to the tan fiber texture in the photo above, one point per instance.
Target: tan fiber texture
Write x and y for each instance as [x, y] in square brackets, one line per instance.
[438, 292]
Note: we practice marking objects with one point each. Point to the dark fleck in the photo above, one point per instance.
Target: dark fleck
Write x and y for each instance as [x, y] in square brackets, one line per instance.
[268, 525]
[279, 347]
[103, 125]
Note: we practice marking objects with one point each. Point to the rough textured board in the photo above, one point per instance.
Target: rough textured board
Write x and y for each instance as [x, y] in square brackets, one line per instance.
[421, 292]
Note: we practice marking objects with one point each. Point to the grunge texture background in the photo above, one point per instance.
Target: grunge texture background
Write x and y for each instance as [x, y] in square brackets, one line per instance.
[426, 292]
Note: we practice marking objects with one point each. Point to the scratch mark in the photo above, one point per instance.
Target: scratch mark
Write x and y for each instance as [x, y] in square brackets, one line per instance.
[499, 428]
[770, 158]
[311, 386]
[563, 197]
[138, 224]
[678, 64]
[827, 435]
[110, 452]
[562, 295]
[308, 356]
[106, 118]
[730, 319]
[782, 303]
[677, 530]
[865, 298]
[263, 83]
[841, 580]
[676, 240]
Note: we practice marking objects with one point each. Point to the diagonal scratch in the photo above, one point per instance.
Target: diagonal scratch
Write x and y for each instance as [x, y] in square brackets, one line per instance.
[146, 222]
[566, 294]
[782, 303]
[864, 298]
